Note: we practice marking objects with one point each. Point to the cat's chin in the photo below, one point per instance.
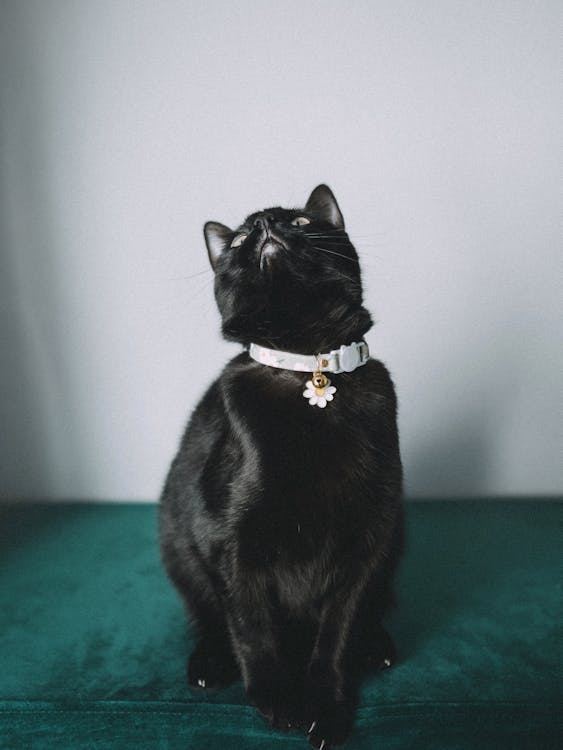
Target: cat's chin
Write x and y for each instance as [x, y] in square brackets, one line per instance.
[330, 331]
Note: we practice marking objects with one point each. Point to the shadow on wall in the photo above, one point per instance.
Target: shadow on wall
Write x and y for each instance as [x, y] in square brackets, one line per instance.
[25, 463]
[34, 381]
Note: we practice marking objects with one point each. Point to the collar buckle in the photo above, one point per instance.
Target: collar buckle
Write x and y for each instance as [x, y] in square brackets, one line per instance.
[348, 358]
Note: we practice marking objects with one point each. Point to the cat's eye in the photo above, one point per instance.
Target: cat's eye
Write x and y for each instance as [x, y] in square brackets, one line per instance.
[300, 221]
[238, 240]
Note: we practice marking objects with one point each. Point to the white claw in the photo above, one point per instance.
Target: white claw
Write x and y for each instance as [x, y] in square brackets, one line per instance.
[313, 725]
[201, 682]
[387, 662]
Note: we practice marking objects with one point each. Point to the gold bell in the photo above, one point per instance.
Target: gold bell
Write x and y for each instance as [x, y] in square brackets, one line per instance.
[320, 382]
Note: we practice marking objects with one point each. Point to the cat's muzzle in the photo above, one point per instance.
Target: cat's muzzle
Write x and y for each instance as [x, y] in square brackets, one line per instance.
[268, 252]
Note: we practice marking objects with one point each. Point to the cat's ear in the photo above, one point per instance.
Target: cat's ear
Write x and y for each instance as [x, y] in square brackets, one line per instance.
[323, 205]
[217, 237]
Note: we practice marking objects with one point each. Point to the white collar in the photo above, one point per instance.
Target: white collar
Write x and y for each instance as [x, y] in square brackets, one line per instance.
[344, 359]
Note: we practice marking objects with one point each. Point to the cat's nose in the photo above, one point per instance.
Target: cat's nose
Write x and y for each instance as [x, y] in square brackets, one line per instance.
[263, 221]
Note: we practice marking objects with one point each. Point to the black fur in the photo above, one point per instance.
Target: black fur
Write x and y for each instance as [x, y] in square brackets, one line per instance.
[281, 523]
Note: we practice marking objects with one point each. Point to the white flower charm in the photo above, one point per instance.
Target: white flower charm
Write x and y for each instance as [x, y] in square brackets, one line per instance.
[319, 396]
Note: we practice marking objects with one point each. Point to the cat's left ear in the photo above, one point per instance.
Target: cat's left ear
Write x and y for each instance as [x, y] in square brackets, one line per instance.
[323, 205]
[217, 237]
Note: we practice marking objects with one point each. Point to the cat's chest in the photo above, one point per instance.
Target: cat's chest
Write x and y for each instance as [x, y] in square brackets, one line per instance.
[306, 471]
[300, 439]
[291, 404]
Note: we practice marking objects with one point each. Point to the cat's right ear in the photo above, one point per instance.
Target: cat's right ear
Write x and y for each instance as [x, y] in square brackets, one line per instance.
[323, 205]
[217, 237]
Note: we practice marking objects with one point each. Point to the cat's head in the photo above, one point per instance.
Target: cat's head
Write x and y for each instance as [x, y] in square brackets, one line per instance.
[289, 278]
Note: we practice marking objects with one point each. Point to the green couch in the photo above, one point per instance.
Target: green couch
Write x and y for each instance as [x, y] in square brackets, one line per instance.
[93, 641]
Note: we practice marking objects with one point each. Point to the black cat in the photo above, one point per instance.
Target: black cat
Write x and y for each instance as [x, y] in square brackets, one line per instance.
[281, 522]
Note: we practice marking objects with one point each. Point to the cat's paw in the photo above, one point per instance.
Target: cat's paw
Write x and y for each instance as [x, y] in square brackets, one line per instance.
[211, 666]
[329, 719]
[383, 653]
[331, 725]
[276, 700]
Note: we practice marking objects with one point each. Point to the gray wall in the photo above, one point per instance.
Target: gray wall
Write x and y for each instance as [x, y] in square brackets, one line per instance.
[126, 125]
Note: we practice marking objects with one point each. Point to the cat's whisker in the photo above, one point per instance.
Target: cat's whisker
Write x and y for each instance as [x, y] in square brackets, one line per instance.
[201, 289]
[333, 240]
[333, 237]
[366, 256]
[338, 271]
[330, 241]
[354, 281]
[333, 252]
[192, 276]
[327, 231]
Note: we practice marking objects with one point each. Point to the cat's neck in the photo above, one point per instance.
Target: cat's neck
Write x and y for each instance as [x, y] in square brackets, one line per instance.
[324, 335]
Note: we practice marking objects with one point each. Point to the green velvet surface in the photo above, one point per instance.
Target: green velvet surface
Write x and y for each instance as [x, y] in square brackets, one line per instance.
[93, 641]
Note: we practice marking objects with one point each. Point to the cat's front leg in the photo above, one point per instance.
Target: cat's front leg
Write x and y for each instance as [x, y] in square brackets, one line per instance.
[253, 629]
[330, 685]
[271, 690]
[329, 705]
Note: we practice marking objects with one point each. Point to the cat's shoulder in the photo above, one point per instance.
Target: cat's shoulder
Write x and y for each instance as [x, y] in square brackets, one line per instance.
[373, 389]
[378, 370]
[375, 375]
[239, 376]
[236, 368]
